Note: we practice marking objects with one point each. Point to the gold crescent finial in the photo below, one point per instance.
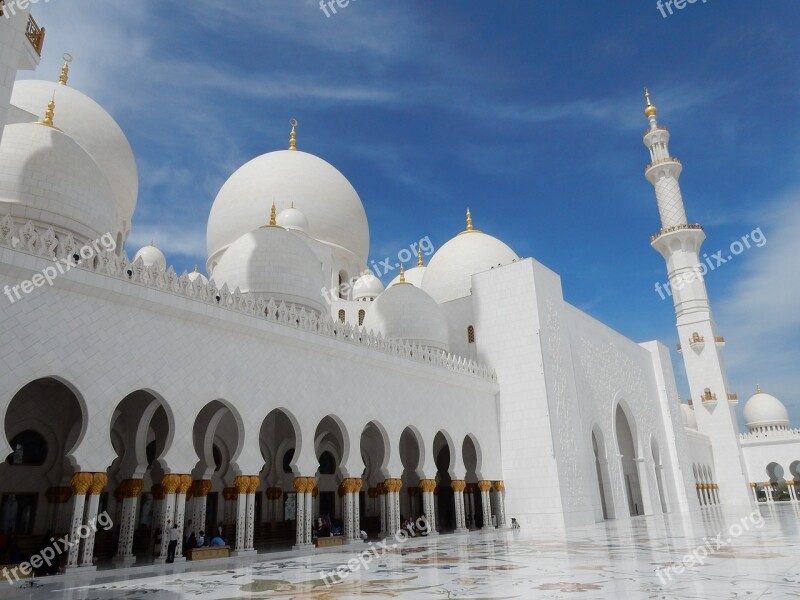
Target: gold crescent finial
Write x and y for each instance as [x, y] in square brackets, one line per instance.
[420, 262]
[293, 134]
[64, 77]
[273, 216]
[758, 389]
[650, 110]
[470, 228]
[402, 274]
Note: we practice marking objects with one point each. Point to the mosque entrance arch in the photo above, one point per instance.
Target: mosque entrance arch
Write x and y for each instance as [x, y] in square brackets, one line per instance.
[628, 457]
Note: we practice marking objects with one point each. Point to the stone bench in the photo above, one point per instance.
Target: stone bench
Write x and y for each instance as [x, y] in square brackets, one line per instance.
[207, 552]
[324, 542]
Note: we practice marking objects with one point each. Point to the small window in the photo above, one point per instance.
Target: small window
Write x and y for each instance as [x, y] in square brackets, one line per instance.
[361, 315]
[470, 334]
[28, 448]
[341, 316]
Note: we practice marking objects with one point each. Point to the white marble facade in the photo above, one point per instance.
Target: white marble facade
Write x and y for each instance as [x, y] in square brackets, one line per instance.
[473, 393]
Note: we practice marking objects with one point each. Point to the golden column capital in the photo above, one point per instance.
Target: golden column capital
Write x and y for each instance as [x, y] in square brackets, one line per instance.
[458, 485]
[255, 481]
[230, 493]
[169, 483]
[484, 485]
[300, 485]
[427, 485]
[81, 482]
[499, 486]
[130, 488]
[99, 482]
[58, 495]
[314, 488]
[184, 483]
[241, 483]
[380, 489]
[201, 487]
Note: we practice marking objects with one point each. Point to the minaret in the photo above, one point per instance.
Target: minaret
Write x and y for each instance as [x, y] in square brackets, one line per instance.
[679, 243]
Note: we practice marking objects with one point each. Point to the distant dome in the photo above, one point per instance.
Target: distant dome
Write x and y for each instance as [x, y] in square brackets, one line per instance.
[293, 219]
[331, 205]
[47, 177]
[689, 418]
[151, 255]
[405, 312]
[367, 287]
[196, 274]
[764, 410]
[448, 276]
[92, 127]
[274, 264]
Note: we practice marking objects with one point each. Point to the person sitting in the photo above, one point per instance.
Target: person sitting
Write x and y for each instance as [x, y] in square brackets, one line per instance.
[217, 541]
[200, 541]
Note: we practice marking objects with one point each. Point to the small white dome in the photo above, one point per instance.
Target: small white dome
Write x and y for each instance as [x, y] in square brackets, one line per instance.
[689, 418]
[764, 410]
[413, 276]
[275, 264]
[92, 127]
[196, 274]
[405, 312]
[293, 219]
[449, 274]
[151, 255]
[331, 205]
[47, 177]
[367, 287]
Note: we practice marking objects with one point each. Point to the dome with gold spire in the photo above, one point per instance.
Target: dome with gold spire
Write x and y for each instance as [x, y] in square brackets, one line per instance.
[449, 274]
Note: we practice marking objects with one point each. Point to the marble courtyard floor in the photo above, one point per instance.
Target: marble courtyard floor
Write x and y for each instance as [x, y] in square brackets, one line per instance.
[616, 559]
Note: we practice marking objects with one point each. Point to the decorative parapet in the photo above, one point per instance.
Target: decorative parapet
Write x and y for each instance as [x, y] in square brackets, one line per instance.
[46, 244]
[35, 35]
[670, 159]
[765, 433]
[666, 230]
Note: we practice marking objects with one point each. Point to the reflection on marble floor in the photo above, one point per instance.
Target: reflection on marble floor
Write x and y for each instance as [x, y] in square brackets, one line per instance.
[616, 559]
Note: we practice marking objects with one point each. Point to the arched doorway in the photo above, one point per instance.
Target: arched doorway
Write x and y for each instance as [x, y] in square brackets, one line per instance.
[601, 469]
[375, 454]
[627, 450]
[444, 497]
[659, 474]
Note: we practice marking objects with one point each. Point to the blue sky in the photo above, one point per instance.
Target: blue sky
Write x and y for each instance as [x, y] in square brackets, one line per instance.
[529, 112]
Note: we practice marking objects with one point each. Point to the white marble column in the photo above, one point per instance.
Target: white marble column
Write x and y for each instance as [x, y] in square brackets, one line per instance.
[242, 484]
[459, 485]
[255, 482]
[427, 486]
[304, 486]
[311, 495]
[130, 490]
[200, 490]
[357, 483]
[169, 485]
[99, 481]
[500, 499]
[347, 510]
[792, 491]
[80, 483]
[180, 510]
[381, 490]
[485, 487]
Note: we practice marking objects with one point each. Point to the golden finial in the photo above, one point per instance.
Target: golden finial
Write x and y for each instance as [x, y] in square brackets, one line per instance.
[62, 79]
[470, 228]
[293, 135]
[195, 269]
[420, 262]
[402, 274]
[650, 110]
[758, 389]
[48, 116]
[273, 217]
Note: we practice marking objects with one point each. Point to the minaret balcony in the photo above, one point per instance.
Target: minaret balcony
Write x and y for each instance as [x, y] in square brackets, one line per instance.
[655, 163]
[708, 399]
[674, 228]
[35, 35]
[697, 342]
[733, 398]
[719, 341]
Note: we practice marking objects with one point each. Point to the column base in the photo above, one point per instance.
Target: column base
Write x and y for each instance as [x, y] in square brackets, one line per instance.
[81, 569]
[250, 552]
[124, 560]
[461, 530]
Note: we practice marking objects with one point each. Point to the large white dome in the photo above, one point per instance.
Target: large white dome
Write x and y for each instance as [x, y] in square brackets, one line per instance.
[448, 276]
[47, 177]
[92, 127]
[331, 205]
[273, 263]
[764, 410]
[405, 312]
[367, 287]
[151, 255]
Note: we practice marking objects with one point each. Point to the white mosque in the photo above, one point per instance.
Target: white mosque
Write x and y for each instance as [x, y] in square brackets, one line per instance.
[270, 391]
